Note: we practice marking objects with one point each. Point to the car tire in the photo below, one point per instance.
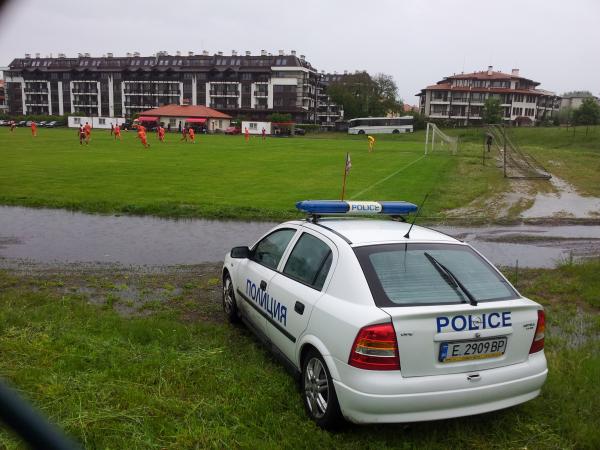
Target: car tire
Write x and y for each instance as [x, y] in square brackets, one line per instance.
[229, 302]
[318, 392]
[395, 132]
[361, 131]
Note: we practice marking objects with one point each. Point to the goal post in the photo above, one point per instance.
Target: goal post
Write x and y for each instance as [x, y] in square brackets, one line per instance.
[433, 136]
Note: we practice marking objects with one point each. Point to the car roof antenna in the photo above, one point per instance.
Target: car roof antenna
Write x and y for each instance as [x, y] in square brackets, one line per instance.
[407, 235]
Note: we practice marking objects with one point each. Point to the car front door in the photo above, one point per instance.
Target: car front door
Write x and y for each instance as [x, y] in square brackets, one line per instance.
[256, 275]
[296, 288]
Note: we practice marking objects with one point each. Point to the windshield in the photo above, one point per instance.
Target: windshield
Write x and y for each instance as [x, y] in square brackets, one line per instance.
[401, 274]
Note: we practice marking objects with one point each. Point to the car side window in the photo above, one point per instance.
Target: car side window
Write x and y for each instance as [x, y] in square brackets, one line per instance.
[270, 249]
[309, 261]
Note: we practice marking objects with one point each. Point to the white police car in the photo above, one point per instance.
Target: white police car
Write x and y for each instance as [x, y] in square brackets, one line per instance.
[385, 325]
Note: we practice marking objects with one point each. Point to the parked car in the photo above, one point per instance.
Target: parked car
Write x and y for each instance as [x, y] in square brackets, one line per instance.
[28, 123]
[383, 321]
[3, 122]
[233, 130]
[42, 123]
[299, 131]
[23, 123]
[52, 124]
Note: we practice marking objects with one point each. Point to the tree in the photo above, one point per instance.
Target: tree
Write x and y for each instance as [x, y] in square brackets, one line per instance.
[492, 111]
[587, 114]
[362, 95]
[387, 92]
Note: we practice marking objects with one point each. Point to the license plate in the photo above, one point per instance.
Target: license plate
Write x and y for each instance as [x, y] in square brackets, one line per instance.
[470, 350]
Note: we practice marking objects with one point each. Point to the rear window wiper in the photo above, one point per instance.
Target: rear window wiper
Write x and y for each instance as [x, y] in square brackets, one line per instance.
[450, 277]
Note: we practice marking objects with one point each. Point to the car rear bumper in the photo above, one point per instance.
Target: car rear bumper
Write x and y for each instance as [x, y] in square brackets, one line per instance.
[437, 397]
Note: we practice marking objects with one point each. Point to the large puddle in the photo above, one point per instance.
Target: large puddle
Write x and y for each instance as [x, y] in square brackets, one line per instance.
[59, 236]
[566, 202]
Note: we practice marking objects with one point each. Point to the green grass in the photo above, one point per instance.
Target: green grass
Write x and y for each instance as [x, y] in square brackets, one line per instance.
[225, 177]
[164, 381]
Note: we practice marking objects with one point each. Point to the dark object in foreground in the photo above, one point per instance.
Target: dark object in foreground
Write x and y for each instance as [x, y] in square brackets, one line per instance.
[29, 424]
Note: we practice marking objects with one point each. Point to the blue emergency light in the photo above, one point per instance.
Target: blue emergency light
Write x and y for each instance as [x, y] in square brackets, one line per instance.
[334, 207]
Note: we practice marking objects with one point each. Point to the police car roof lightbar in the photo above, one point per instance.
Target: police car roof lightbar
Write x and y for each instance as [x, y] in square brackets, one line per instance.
[339, 207]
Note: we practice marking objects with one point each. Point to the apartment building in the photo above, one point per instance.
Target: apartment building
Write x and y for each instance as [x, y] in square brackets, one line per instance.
[239, 85]
[328, 112]
[460, 98]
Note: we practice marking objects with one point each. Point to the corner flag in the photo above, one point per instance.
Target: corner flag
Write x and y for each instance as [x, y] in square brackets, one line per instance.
[347, 168]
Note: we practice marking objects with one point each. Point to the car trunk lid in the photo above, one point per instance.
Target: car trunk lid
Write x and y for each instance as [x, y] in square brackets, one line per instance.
[445, 339]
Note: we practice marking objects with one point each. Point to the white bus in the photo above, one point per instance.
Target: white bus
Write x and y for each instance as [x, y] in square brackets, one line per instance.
[380, 125]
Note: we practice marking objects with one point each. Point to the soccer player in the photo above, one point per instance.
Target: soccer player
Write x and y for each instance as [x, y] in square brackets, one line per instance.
[88, 132]
[112, 128]
[82, 138]
[161, 134]
[13, 125]
[117, 132]
[142, 136]
[246, 134]
[184, 134]
[192, 135]
[371, 143]
[264, 133]
[33, 129]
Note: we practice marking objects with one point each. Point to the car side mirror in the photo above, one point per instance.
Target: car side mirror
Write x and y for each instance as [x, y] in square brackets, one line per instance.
[240, 252]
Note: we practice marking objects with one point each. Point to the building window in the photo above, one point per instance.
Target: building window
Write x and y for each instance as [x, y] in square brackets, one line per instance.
[76, 120]
[102, 121]
[253, 125]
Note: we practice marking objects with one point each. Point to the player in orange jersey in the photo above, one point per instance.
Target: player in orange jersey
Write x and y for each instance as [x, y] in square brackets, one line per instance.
[161, 133]
[88, 132]
[117, 132]
[246, 134]
[192, 135]
[33, 129]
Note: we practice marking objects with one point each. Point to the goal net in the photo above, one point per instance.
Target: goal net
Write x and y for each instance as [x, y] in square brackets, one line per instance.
[437, 140]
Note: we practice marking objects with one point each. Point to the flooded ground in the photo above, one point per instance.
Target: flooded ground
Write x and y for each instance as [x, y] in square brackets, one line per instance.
[564, 202]
[49, 236]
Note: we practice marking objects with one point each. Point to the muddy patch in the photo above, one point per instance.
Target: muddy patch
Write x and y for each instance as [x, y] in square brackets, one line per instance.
[191, 292]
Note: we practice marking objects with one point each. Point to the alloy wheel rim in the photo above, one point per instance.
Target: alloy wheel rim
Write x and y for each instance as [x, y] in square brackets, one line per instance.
[227, 296]
[316, 388]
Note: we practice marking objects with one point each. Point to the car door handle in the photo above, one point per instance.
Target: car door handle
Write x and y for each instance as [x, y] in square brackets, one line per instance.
[299, 308]
[263, 285]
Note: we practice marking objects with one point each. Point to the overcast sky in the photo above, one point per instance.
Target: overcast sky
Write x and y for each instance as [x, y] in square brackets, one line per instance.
[555, 42]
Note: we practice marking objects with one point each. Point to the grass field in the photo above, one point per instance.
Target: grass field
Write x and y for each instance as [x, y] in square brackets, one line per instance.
[223, 176]
[169, 373]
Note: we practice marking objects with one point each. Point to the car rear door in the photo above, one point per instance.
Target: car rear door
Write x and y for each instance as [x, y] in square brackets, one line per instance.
[296, 289]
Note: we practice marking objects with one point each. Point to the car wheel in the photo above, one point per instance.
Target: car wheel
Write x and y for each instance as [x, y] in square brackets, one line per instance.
[395, 132]
[361, 131]
[229, 303]
[318, 391]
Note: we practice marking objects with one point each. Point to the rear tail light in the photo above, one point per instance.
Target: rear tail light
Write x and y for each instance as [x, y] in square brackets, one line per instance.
[538, 338]
[375, 348]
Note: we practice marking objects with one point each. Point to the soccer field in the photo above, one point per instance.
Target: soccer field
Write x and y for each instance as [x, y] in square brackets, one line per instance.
[224, 176]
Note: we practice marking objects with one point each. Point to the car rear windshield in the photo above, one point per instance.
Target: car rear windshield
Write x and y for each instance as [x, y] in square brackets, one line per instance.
[403, 274]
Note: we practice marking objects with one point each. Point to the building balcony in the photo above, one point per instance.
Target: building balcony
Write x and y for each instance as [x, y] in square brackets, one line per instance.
[439, 101]
[224, 94]
[84, 92]
[150, 94]
[35, 104]
[261, 94]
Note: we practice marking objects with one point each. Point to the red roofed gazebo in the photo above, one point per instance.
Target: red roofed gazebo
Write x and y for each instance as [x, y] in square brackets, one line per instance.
[177, 116]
